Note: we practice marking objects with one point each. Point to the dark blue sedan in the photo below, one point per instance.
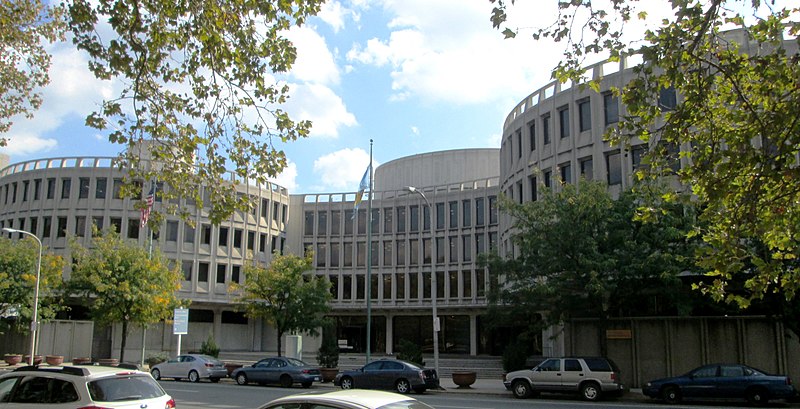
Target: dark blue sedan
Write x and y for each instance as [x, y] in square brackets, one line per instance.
[729, 381]
[278, 370]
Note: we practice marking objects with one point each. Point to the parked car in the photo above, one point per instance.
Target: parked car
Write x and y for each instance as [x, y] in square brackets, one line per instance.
[71, 387]
[401, 376]
[591, 377]
[347, 399]
[278, 370]
[731, 381]
[192, 367]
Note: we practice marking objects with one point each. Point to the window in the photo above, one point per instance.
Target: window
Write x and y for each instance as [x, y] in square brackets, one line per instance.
[322, 223]
[39, 391]
[532, 135]
[100, 188]
[466, 213]
[519, 192]
[387, 253]
[202, 272]
[479, 212]
[51, 188]
[587, 168]
[614, 168]
[25, 185]
[572, 365]
[519, 143]
[37, 187]
[563, 121]
[401, 219]
[452, 242]
[637, 153]
[546, 129]
[534, 188]
[205, 234]
[46, 226]
[80, 226]
[348, 254]
[610, 108]
[62, 227]
[186, 267]
[116, 189]
[321, 254]
[480, 243]
[262, 242]
[584, 115]
[66, 184]
[334, 255]
[667, 99]
[466, 247]
[222, 240]
[566, 172]
[387, 219]
[235, 274]
[221, 269]
[97, 221]
[335, 222]
[83, 188]
[308, 229]
[453, 216]
[400, 280]
[548, 178]
[251, 240]
[172, 230]
[116, 224]
[188, 233]
[34, 225]
[414, 214]
[237, 238]
[401, 253]
[375, 221]
[439, 216]
[265, 208]
[362, 221]
[133, 228]
[349, 215]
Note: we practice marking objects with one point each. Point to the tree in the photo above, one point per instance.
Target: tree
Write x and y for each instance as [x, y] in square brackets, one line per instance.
[284, 296]
[18, 260]
[25, 29]
[201, 87]
[122, 283]
[736, 123]
[582, 254]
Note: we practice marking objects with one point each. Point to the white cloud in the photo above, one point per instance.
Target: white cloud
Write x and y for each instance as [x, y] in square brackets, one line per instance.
[28, 144]
[322, 106]
[315, 62]
[334, 14]
[342, 170]
[287, 178]
[415, 130]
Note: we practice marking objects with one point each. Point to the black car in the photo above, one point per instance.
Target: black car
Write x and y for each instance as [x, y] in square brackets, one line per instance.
[278, 370]
[400, 376]
[728, 381]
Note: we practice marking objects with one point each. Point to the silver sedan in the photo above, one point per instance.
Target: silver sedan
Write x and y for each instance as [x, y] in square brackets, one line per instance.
[348, 399]
[192, 367]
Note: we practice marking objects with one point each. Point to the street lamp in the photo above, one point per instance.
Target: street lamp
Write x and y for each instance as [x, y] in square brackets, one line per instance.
[35, 291]
[434, 287]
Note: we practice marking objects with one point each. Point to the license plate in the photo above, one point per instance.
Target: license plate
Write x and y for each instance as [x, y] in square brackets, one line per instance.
[316, 378]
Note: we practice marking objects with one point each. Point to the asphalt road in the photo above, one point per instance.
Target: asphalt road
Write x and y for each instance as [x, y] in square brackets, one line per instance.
[227, 395]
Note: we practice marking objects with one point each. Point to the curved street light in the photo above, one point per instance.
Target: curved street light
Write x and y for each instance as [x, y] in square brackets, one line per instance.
[35, 291]
[434, 288]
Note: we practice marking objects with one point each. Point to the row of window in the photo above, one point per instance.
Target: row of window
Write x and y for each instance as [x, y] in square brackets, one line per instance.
[403, 252]
[38, 189]
[410, 286]
[402, 218]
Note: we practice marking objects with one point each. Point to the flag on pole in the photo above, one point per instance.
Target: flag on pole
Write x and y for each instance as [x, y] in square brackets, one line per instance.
[151, 197]
[364, 185]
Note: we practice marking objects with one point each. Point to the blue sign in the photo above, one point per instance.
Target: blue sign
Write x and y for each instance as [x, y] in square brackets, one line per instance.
[180, 324]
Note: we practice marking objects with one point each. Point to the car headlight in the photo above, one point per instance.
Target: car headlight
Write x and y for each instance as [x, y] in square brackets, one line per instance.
[648, 384]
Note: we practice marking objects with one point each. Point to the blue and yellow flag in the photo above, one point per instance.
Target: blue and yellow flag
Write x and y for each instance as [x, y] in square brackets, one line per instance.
[364, 185]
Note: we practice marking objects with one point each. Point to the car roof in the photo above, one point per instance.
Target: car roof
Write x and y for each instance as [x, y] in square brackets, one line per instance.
[363, 397]
[91, 371]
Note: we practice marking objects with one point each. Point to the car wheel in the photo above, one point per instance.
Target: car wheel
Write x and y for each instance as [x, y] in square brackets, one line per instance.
[402, 386]
[347, 382]
[306, 384]
[215, 380]
[241, 379]
[156, 374]
[671, 394]
[286, 381]
[756, 396]
[590, 391]
[194, 376]
[521, 389]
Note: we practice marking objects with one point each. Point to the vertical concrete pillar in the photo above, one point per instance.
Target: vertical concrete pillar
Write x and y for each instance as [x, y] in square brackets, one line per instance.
[473, 334]
[389, 334]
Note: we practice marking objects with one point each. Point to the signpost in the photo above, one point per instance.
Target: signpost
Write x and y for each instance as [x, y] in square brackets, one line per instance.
[180, 324]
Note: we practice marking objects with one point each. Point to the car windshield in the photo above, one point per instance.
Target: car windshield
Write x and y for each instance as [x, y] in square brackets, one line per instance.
[295, 362]
[125, 388]
[406, 404]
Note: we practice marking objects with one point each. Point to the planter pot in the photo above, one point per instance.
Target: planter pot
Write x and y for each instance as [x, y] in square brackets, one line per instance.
[108, 361]
[81, 361]
[12, 359]
[55, 360]
[232, 367]
[328, 374]
[37, 359]
[464, 379]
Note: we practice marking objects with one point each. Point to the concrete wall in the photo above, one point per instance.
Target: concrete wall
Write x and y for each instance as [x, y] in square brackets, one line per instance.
[660, 347]
[72, 339]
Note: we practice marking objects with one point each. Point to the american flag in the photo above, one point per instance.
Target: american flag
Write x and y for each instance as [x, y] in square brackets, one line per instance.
[151, 197]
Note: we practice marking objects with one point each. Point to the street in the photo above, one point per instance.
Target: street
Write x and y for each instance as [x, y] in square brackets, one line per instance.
[226, 395]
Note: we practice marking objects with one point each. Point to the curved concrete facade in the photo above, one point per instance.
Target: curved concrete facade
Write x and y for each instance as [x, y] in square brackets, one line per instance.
[437, 168]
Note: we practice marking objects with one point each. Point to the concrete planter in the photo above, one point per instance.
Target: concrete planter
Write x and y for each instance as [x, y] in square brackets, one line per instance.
[12, 359]
[464, 379]
[81, 361]
[328, 374]
[55, 360]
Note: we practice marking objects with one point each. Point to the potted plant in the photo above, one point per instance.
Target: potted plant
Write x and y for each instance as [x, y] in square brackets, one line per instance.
[55, 360]
[12, 359]
[328, 356]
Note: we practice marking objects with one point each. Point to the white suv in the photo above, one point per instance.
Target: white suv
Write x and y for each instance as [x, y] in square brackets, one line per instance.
[590, 377]
[81, 387]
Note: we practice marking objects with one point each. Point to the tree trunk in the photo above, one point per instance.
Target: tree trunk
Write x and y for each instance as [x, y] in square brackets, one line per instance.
[124, 339]
[280, 335]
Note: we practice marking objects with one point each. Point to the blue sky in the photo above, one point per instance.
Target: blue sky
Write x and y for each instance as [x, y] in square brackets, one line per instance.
[415, 76]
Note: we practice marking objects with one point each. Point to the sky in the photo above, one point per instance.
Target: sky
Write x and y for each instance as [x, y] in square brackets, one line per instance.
[413, 76]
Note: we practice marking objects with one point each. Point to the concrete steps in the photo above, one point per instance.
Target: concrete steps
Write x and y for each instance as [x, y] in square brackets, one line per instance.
[486, 367]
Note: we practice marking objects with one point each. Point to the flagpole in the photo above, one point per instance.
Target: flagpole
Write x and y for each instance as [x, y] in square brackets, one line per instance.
[149, 256]
[369, 258]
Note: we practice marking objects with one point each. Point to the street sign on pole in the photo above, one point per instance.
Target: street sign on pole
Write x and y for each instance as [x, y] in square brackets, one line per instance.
[180, 324]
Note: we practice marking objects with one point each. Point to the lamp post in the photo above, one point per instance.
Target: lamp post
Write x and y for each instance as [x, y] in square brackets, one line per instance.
[434, 287]
[35, 291]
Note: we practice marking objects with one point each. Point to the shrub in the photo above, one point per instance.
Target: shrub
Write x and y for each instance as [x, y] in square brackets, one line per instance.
[328, 353]
[515, 355]
[209, 347]
[410, 352]
[158, 358]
